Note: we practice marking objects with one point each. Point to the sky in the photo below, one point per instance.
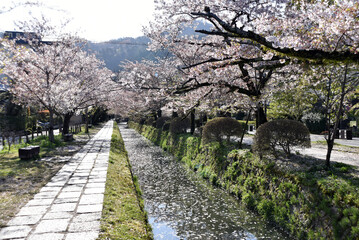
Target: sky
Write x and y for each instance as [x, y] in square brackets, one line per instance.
[94, 20]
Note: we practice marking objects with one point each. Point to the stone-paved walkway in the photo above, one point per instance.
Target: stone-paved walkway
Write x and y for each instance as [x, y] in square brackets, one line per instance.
[70, 205]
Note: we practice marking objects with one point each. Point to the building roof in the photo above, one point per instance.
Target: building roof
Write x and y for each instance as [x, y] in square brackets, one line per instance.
[21, 37]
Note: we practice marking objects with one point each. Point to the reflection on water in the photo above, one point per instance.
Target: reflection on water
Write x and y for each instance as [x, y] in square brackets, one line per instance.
[180, 205]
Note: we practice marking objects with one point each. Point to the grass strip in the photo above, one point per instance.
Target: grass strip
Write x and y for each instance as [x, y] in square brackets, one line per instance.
[123, 215]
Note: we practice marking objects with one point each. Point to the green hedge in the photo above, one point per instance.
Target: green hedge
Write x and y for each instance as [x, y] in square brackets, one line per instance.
[312, 204]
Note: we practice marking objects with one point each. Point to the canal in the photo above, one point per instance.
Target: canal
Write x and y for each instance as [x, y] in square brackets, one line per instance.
[180, 205]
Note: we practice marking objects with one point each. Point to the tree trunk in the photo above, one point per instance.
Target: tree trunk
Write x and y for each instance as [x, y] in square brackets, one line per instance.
[154, 113]
[193, 123]
[174, 114]
[330, 140]
[51, 127]
[330, 144]
[260, 116]
[86, 121]
[204, 119]
[159, 113]
[66, 123]
[9, 142]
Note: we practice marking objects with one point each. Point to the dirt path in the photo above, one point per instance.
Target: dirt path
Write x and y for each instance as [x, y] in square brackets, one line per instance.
[347, 155]
[341, 153]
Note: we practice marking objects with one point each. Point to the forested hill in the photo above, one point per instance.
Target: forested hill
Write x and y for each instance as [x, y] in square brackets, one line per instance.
[133, 49]
[116, 51]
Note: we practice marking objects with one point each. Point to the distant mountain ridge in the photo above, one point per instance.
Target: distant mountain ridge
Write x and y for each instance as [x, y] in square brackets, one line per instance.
[114, 52]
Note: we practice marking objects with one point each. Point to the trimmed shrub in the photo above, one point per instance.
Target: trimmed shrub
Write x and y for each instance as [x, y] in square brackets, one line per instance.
[166, 126]
[219, 127]
[281, 133]
[179, 125]
[161, 121]
[150, 121]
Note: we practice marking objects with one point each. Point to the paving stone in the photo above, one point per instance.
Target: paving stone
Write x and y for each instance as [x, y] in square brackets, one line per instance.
[66, 200]
[84, 226]
[63, 207]
[52, 226]
[95, 185]
[40, 202]
[24, 220]
[58, 215]
[50, 189]
[86, 167]
[81, 153]
[82, 171]
[89, 157]
[73, 188]
[82, 236]
[102, 162]
[46, 194]
[91, 199]
[56, 184]
[36, 210]
[69, 195]
[89, 208]
[14, 232]
[71, 166]
[47, 236]
[87, 217]
[81, 174]
[94, 190]
[79, 178]
[99, 168]
[77, 181]
[98, 174]
[102, 155]
[61, 177]
[97, 180]
[73, 163]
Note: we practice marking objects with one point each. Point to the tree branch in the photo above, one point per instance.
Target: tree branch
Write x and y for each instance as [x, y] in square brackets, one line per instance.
[312, 54]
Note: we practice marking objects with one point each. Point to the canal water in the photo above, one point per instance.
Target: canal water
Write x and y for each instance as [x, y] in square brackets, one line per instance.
[182, 206]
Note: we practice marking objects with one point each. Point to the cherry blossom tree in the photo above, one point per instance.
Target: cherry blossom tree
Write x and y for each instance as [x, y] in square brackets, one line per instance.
[152, 81]
[239, 67]
[332, 84]
[90, 83]
[58, 76]
[315, 30]
[19, 3]
[304, 32]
